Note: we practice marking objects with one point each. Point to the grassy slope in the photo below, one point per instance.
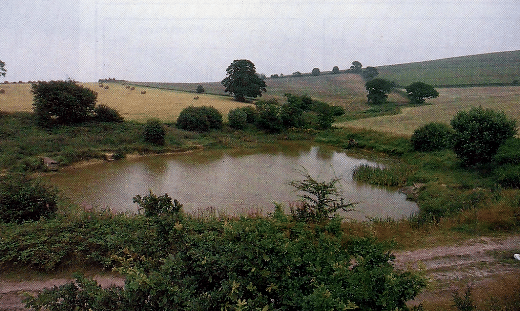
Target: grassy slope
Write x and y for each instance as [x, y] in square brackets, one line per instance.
[444, 108]
[346, 90]
[481, 69]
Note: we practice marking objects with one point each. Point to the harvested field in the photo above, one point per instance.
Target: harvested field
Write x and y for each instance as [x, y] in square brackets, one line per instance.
[132, 104]
[443, 108]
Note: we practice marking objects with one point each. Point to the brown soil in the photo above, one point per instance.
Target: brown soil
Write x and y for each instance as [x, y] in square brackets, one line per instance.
[476, 262]
[472, 262]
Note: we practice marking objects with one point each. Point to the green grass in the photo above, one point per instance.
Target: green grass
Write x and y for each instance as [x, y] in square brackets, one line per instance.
[500, 68]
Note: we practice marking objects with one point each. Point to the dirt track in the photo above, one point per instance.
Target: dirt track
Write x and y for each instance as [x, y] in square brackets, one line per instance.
[472, 262]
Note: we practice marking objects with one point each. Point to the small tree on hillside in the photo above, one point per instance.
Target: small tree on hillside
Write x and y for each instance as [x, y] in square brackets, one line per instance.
[2, 68]
[315, 71]
[242, 80]
[356, 67]
[335, 69]
[418, 92]
[200, 89]
[369, 73]
[378, 90]
[63, 102]
[479, 133]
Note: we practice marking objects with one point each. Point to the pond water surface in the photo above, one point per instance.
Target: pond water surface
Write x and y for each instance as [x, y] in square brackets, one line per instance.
[228, 182]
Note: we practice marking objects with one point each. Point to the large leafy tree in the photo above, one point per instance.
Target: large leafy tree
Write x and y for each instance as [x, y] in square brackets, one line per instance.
[378, 90]
[242, 80]
[2, 68]
[418, 92]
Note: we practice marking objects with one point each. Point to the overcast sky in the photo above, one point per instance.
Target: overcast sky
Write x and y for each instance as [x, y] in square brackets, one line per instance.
[195, 40]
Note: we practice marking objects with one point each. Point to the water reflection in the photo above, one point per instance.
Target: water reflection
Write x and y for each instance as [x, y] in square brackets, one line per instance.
[232, 182]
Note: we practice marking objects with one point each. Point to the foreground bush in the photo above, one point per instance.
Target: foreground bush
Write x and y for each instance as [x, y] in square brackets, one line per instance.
[200, 119]
[249, 264]
[479, 133]
[23, 199]
[432, 137]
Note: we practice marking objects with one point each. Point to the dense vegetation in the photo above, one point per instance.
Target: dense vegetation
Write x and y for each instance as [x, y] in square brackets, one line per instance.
[181, 263]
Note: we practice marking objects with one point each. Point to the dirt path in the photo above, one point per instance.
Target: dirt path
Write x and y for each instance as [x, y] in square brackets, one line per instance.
[472, 262]
[12, 292]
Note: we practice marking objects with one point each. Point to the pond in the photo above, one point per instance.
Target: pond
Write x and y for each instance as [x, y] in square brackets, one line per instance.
[228, 181]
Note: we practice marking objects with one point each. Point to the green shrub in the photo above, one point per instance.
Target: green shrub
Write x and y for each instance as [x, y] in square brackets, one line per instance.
[237, 118]
[258, 263]
[103, 113]
[508, 152]
[251, 113]
[268, 118]
[156, 205]
[479, 133]
[508, 175]
[200, 119]
[23, 199]
[200, 89]
[320, 200]
[432, 137]
[62, 102]
[154, 132]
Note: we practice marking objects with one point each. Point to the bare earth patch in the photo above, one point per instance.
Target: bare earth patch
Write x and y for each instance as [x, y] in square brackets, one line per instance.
[474, 263]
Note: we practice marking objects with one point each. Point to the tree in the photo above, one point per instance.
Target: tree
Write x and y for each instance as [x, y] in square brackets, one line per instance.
[418, 91]
[479, 133]
[242, 80]
[2, 68]
[335, 69]
[62, 102]
[200, 89]
[378, 90]
[315, 71]
[356, 67]
[369, 73]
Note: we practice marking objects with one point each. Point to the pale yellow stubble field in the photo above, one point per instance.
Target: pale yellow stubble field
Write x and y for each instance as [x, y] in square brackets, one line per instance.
[444, 108]
[162, 104]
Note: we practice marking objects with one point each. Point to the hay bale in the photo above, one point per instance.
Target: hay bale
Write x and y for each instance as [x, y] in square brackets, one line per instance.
[143, 92]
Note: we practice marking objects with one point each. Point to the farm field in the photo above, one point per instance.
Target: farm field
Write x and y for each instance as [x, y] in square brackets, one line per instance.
[482, 69]
[443, 108]
[346, 90]
[133, 106]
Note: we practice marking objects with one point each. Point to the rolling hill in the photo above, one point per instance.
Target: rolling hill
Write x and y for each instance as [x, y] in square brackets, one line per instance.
[501, 68]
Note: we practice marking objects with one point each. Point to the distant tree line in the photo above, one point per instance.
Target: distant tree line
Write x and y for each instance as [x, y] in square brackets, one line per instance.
[356, 68]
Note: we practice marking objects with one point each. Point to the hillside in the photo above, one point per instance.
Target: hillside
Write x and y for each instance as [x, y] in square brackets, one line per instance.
[501, 68]
[347, 90]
